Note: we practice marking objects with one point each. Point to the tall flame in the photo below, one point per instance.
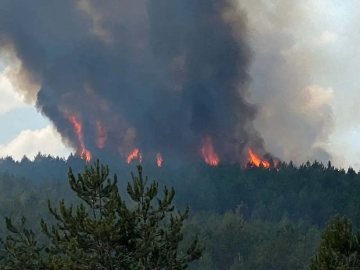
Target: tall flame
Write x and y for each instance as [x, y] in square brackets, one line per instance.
[84, 153]
[101, 135]
[159, 159]
[208, 152]
[256, 160]
[132, 155]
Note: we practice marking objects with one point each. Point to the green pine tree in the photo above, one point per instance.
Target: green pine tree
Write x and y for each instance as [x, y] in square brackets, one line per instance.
[339, 248]
[103, 232]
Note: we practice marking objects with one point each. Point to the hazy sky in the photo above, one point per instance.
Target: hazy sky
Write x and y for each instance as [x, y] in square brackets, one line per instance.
[342, 22]
[330, 26]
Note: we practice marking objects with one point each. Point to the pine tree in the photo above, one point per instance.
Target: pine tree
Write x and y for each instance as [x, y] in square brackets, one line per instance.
[339, 248]
[103, 232]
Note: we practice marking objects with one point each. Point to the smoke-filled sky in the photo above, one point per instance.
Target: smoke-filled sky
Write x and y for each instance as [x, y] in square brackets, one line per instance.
[280, 71]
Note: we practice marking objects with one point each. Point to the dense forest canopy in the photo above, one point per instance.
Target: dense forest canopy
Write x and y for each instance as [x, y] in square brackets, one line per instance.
[249, 218]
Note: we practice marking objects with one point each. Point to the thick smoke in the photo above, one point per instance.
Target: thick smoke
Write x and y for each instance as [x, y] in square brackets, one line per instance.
[157, 75]
[291, 74]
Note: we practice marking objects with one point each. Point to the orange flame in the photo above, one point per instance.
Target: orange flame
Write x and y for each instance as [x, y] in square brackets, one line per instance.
[132, 155]
[101, 135]
[256, 160]
[84, 153]
[159, 159]
[276, 162]
[208, 152]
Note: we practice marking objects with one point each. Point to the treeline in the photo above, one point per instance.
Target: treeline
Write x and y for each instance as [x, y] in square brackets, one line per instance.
[251, 218]
[311, 193]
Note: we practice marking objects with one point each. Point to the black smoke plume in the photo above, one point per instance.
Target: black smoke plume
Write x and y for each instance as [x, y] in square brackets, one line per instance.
[157, 75]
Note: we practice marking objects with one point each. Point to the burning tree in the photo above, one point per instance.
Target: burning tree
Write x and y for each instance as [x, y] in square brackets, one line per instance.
[103, 232]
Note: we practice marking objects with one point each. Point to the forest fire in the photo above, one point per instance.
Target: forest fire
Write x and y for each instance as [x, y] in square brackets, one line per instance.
[101, 135]
[159, 159]
[254, 159]
[134, 154]
[208, 152]
[84, 153]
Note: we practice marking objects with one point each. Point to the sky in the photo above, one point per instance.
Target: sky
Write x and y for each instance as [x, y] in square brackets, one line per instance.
[26, 131]
[344, 44]
[327, 30]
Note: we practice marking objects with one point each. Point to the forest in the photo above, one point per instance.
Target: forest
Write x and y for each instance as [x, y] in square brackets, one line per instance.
[246, 218]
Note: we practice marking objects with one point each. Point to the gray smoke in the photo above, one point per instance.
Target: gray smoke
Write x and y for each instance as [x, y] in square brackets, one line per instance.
[158, 75]
[290, 75]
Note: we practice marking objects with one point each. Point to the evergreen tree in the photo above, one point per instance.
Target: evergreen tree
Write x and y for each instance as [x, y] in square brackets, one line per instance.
[339, 248]
[103, 232]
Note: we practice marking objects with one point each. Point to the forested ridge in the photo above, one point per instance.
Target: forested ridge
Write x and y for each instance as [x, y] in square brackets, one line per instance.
[247, 218]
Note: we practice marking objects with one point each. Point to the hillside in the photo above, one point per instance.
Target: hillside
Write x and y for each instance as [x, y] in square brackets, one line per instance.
[255, 217]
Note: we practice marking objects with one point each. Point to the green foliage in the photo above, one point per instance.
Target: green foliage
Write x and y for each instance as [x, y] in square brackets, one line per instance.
[282, 211]
[339, 248]
[103, 232]
[238, 264]
[206, 263]
[21, 251]
[233, 243]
